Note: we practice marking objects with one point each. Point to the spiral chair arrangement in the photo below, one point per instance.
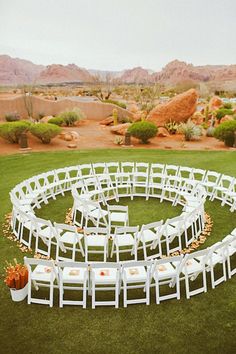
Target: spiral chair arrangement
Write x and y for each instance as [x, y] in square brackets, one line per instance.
[153, 252]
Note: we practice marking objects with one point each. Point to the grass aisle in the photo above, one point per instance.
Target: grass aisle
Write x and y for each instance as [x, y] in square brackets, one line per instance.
[204, 324]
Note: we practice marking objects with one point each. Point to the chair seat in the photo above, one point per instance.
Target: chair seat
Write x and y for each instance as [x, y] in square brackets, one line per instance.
[125, 240]
[70, 237]
[46, 232]
[71, 274]
[192, 266]
[118, 217]
[105, 275]
[164, 271]
[148, 235]
[42, 273]
[216, 258]
[135, 274]
[96, 240]
[96, 213]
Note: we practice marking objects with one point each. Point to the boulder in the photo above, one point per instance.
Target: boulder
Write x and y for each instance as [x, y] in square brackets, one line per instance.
[215, 103]
[178, 109]
[133, 108]
[226, 119]
[46, 119]
[120, 129]
[107, 121]
[162, 132]
[68, 137]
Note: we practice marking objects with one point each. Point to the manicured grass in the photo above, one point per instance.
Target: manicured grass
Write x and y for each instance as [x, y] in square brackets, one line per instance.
[204, 324]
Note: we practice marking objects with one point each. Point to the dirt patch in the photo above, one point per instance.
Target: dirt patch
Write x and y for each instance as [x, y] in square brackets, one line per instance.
[92, 135]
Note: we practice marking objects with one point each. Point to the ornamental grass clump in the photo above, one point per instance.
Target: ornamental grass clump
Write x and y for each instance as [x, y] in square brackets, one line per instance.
[13, 130]
[45, 131]
[190, 130]
[143, 131]
[57, 121]
[71, 117]
[16, 275]
[226, 132]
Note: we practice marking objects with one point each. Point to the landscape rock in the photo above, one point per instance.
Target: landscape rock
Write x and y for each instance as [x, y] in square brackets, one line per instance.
[120, 129]
[46, 119]
[107, 121]
[226, 119]
[215, 103]
[162, 132]
[178, 109]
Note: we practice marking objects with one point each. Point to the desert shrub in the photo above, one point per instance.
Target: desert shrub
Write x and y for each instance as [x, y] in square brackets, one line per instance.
[45, 131]
[12, 117]
[118, 140]
[228, 105]
[12, 131]
[123, 120]
[226, 132]
[210, 131]
[57, 121]
[70, 117]
[143, 131]
[223, 112]
[171, 127]
[117, 103]
[190, 130]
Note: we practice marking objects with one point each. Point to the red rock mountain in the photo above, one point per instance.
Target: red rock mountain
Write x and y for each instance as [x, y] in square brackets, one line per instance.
[15, 71]
[136, 75]
[59, 73]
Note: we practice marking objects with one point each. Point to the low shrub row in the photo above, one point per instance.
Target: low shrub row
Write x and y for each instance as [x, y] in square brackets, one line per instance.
[44, 131]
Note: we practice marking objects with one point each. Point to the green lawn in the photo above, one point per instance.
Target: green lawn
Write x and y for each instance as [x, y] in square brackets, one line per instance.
[204, 324]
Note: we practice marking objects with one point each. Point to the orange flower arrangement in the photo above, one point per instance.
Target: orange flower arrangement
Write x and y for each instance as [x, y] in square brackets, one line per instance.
[16, 275]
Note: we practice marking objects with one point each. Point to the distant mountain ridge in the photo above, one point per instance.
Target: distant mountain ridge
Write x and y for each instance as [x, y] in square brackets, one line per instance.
[15, 71]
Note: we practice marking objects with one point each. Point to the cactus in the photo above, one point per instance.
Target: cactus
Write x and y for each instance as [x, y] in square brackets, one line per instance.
[115, 116]
[206, 113]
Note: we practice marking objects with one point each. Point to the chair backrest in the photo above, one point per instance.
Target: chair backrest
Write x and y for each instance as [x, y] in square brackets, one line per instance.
[172, 170]
[121, 208]
[157, 169]
[96, 231]
[65, 227]
[157, 225]
[198, 174]
[141, 167]
[127, 167]
[72, 264]
[133, 264]
[126, 230]
[102, 265]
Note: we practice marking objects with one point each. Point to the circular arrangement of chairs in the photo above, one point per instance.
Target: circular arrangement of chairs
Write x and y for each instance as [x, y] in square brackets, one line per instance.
[153, 252]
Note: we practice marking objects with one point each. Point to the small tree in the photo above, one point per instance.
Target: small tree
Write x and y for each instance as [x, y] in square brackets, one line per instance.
[143, 130]
[45, 131]
[226, 132]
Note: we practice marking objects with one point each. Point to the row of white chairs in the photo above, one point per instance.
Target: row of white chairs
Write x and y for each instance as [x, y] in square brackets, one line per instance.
[64, 238]
[40, 188]
[91, 278]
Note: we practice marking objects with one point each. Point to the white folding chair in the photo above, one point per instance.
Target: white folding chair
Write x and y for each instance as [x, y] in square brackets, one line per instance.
[225, 183]
[45, 236]
[42, 273]
[118, 215]
[192, 265]
[230, 252]
[157, 179]
[173, 229]
[210, 181]
[136, 275]
[105, 277]
[218, 255]
[123, 185]
[73, 276]
[125, 240]
[150, 237]
[166, 271]
[69, 242]
[96, 241]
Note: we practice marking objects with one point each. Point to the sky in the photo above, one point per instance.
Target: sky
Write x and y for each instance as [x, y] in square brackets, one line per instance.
[116, 35]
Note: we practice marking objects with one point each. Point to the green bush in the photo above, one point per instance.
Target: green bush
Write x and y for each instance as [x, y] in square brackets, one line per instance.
[171, 127]
[117, 103]
[45, 131]
[228, 105]
[57, 121]
[70, 117]
[224, 112]
[12, 117]
[226, 132]
[190, 130]
[12, 131]
[143, 131]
